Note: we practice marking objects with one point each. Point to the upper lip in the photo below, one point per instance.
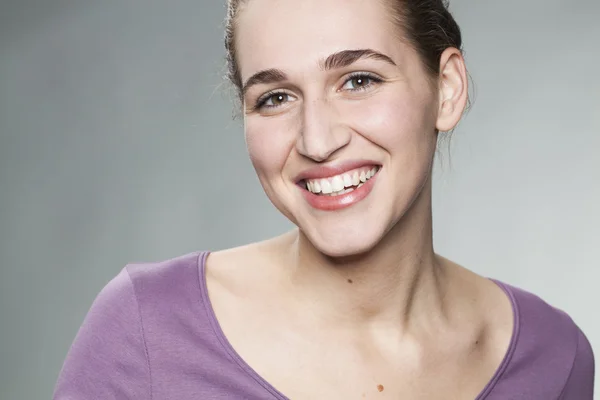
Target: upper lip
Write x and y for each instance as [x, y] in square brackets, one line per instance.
[327, 171]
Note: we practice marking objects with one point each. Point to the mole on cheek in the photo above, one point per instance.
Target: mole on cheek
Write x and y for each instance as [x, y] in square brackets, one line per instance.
[350, 281]
[380, 388]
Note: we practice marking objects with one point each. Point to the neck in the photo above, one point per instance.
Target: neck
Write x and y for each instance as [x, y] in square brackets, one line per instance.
[397, 280]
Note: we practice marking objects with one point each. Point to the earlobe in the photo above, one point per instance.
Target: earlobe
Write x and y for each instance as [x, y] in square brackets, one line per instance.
[453, 89]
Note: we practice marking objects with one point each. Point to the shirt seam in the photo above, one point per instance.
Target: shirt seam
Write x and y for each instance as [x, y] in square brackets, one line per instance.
[562, 392]
[143, 333]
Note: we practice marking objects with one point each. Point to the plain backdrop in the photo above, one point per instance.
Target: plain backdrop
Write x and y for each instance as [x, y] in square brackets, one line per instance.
[117, 145]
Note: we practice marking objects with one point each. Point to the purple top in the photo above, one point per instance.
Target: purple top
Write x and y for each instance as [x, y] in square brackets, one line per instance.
[152, 334]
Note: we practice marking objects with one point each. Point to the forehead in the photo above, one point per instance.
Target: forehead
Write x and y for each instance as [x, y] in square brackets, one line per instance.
[294, 35]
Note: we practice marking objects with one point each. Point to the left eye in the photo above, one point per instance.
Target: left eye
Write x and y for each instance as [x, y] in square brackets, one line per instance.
[358, 82]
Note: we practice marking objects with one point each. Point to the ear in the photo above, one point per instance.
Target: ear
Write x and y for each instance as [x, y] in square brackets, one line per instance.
[453, 89]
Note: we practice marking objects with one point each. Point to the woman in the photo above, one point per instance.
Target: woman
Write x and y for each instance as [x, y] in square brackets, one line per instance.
[343, 101]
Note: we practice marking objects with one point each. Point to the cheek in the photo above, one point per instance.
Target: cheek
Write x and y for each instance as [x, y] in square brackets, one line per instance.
[397, 122]
[269, 142]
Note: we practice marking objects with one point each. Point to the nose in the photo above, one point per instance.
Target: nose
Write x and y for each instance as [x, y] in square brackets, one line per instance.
[322, 132]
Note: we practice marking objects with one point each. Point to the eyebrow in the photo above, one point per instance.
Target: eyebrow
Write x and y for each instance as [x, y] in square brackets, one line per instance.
[340, 59]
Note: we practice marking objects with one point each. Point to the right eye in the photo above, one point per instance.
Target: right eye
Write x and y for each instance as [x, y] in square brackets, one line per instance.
[273, 100]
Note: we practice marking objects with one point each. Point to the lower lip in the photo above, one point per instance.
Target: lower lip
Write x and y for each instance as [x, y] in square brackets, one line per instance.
[333, 203]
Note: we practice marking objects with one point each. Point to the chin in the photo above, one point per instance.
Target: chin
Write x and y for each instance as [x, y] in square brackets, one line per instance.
[344, 241]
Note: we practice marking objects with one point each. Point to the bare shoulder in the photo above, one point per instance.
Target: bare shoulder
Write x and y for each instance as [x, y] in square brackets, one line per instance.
[247, 267]
[489, 297]
[489, 304]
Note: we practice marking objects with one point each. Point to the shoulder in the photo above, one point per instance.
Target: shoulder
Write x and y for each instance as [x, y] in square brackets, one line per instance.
[547, 345]
[254, 265]
[145, 309]
[540, 323]
[122, 303]
[169, 268]
[108, 355]
[114, 309]
[535, 315]
[580, 384]
[167, 276]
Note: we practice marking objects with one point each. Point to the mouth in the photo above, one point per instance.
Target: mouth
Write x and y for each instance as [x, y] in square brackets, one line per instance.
[341, 184]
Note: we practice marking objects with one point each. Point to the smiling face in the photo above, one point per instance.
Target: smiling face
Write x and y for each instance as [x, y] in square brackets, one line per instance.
[340, 117]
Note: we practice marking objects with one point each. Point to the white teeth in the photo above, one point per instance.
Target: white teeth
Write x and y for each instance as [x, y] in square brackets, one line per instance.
[355, 179]
[347, 181]
[326, 186]
[316, 187]
[337, 184]
[341, 184]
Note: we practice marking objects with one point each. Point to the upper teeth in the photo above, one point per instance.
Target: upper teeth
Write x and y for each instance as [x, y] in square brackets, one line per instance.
[339, 182]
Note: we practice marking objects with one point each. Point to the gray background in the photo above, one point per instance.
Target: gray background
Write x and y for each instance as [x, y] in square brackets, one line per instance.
[117, 145]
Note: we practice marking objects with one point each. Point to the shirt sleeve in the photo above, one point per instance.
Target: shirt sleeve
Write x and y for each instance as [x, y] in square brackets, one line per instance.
[580, 385]
[108, 358]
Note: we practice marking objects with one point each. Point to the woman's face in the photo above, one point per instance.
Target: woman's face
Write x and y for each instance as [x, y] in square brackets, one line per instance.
[332, 96]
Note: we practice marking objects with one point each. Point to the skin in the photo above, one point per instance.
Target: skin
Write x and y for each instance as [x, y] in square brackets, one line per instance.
[354, 303]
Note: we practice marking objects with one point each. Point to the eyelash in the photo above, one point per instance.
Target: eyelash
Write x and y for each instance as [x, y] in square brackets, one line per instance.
[373, 79]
